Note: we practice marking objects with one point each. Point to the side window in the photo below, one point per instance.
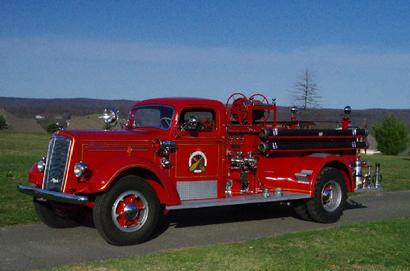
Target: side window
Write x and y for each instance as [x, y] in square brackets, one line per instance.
[205, 118]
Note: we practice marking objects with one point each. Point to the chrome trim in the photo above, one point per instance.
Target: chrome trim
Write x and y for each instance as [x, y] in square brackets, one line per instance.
[165, 162]
[167, 145]
[258, 198]
[278, 192]
[204, 189]
[357, 173]
[131, 211]
[49, 160]
[303, 175]
[251, 161]
[110, 117]
[80, 169]
[331, 196]
[41, 164]
[347, 110]
[51, 195]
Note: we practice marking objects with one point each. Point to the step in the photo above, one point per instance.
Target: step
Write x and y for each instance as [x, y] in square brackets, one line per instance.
[236, 200]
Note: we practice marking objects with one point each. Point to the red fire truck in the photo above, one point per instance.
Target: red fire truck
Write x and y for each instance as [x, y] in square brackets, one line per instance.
[181, 153]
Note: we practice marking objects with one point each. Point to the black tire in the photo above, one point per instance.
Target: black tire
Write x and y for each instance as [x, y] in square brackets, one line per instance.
[51, 216]
[330, 196]
[121, 223]
[300, 210]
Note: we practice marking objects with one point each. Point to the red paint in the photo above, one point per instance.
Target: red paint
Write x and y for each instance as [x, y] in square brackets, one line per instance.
[35, 177]
[111, 154]
[345, 122]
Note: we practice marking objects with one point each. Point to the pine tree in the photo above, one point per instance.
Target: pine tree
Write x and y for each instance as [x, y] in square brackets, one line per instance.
[392, 136]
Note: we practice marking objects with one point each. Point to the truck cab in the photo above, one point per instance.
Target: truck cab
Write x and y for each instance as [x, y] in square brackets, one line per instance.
[182, 153]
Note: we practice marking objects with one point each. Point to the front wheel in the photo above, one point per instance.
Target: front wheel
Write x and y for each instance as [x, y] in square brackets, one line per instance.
[330, 196]
[128, 213]
[53, 217]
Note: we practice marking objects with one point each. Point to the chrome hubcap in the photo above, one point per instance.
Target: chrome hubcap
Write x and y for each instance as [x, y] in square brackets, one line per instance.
[130, 211]
[331, 196]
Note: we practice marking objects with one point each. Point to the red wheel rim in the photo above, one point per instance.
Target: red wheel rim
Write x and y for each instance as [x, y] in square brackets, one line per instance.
[130, 211]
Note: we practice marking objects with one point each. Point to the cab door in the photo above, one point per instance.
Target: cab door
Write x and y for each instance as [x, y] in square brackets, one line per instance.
[198, 169]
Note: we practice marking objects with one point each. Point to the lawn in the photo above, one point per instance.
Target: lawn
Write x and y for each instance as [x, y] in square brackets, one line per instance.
[17, 154]
[367, 246]
[18, 151]
[395, 171]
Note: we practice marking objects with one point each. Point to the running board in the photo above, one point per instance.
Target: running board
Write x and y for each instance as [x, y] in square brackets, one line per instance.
[256, 198]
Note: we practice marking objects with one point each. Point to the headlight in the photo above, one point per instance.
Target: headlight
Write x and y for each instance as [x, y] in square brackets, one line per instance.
[80, 169]
[41, 165]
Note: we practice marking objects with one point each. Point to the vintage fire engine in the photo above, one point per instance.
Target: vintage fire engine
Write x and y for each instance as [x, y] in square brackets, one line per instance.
[181, 153]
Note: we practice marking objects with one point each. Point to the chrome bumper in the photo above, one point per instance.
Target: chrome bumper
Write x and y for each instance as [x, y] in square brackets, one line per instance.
[52, 195]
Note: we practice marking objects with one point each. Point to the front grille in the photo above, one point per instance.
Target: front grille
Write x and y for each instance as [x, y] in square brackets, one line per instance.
[56, 163]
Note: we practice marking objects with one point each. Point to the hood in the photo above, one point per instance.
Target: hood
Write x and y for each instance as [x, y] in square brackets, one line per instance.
[120, 135]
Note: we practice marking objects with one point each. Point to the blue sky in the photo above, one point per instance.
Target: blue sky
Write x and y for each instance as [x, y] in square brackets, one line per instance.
[358, 51]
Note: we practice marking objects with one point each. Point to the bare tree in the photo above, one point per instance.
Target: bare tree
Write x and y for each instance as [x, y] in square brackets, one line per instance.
[306, 92]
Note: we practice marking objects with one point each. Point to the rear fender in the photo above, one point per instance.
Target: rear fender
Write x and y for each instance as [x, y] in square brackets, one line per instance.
[108, 173]
[316, 163]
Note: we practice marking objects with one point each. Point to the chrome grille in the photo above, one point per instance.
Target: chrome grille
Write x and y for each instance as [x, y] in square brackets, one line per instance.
[56, 163]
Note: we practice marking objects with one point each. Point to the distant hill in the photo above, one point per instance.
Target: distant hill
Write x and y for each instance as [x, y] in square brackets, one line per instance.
[85, 122]
[83, 112]
[29, 107]
[18, 124]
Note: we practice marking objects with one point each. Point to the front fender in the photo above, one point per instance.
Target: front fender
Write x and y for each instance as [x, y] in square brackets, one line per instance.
[34, 176]
[107, 173]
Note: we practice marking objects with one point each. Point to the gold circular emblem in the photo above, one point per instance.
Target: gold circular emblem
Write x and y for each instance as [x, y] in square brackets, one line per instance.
[197, 162]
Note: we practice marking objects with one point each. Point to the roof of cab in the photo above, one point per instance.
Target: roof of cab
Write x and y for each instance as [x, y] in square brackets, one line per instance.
[180, 101]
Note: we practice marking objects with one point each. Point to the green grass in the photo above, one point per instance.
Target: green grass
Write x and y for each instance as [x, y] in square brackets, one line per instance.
[18, 151]
[395, 171]
[17, 154]
[367, 246]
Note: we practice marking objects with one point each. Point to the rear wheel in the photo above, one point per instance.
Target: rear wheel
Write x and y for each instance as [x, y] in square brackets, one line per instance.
[300, 210]
[51, 216]
[128, 213]
[330, 196]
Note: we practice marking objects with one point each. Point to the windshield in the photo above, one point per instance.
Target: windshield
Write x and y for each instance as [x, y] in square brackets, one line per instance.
[153, 116]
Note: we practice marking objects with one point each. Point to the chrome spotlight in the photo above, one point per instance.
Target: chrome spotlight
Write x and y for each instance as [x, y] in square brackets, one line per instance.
[110, 118]
[347, 110]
